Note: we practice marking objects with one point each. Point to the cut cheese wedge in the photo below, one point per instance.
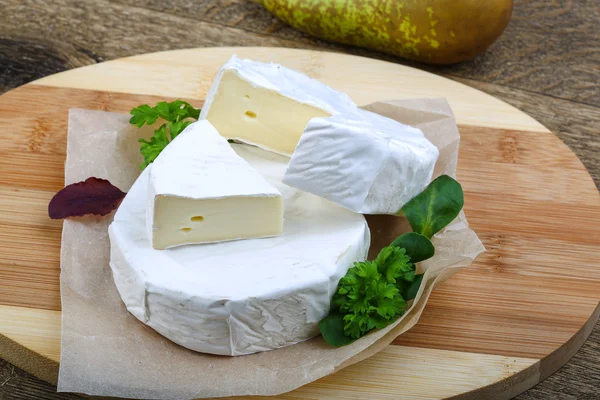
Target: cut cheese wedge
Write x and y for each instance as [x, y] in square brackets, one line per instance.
[268, 105]
[201, 191]
[363, 161]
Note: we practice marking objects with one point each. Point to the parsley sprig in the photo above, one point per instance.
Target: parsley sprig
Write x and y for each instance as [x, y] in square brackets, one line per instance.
[370, 294]
[178, 115]
[373, 294]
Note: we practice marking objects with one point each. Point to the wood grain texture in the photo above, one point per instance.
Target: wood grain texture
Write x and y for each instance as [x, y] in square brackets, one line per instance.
[575, 124]
[546, 64]
[32, 334]
[18, 384]
[549, 47]
[192, 79]
[503, 171]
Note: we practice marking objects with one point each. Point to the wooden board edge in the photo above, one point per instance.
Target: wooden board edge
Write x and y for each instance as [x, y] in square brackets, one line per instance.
[536, 373]
[28, 360]
[554, 361]
[507, 388]
[36, 329]
[415, 366]
[47, 369]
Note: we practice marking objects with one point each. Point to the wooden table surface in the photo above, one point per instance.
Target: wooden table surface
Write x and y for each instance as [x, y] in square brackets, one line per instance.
[547, 64]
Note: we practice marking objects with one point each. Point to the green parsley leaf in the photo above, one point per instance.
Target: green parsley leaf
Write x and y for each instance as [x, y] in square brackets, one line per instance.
[192, 112]
[176, 110]
[175, 128]
[151, 149]
[394, 263]
[435, 207]
[143, 114]
[368, 296]
[177, 115]
[388, 308]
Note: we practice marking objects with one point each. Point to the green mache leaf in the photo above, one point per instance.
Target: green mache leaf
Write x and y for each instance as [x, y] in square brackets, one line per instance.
[411, 291]
[435, 207]
[403, 286]
[417, 246]
[143, 114]
[332, 329]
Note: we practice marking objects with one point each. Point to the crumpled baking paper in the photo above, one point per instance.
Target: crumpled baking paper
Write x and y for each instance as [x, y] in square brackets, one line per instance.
[105, 351]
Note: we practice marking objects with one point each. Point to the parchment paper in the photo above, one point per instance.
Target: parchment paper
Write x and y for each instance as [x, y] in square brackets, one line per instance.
[106, 351]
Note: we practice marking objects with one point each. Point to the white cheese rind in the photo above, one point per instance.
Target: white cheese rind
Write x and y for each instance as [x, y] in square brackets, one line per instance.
[201, 191]
[363, 161]
[238, 297]
[285, 81]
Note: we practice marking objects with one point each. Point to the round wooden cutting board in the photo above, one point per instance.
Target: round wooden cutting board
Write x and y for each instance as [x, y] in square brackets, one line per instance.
[493, 330]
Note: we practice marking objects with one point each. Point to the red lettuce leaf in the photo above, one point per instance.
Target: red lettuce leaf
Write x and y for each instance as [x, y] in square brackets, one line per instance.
[92, 196]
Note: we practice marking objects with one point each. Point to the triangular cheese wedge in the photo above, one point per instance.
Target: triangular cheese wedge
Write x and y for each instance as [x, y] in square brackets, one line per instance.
[268, 105]
[201, 191]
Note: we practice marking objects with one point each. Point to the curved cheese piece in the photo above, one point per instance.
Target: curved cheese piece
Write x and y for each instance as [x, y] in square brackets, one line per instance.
[363, 161]
[268, 105]
[201, 191]
[238, 297]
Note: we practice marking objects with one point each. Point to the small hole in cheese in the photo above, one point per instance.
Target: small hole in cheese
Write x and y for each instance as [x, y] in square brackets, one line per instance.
[197, 218]
[247, 96]
[185, 229]
[251, 114]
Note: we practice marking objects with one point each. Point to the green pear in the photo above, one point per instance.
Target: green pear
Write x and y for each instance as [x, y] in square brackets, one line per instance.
[430, 31]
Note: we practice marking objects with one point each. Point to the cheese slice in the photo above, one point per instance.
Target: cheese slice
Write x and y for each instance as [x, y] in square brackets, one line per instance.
[363, 161]
[267, 105]
[201, 191]
[245, 296]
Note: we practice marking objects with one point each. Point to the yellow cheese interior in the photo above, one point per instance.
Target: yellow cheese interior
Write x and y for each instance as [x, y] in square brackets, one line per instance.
[259, 116]
[179, 220]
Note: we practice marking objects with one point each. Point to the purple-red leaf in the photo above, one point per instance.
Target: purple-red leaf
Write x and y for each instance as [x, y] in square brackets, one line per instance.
[92, 196]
